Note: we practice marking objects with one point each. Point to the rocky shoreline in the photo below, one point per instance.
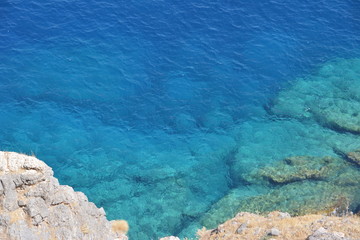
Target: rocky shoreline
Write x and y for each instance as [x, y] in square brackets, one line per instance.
[279, 225]
[323, 211]
[34, 205]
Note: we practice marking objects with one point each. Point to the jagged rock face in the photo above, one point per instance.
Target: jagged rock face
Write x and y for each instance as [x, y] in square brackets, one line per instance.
[34, 205]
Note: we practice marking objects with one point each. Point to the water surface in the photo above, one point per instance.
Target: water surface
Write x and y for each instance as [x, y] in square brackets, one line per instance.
[155, 109]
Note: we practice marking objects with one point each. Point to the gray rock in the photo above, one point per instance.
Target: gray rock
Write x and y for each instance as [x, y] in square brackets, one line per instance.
[37, 206]
[241, 228]
[4, 220]
[60, 216]
[37, 219]
[20, 231]
[323, 234]
[45, 190]
[63, 233]
[21, 203]
[274, 232]
[1, 188]
[31, 177]
[170, 238]
[320, 231]
[37, 210]
[60, 198]
[81, 197]
[284, 215]
[17, 180]
[10, 194]
[48, 209]
[101, 212]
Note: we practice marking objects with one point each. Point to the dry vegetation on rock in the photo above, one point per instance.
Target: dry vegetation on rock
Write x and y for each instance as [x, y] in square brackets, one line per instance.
[278, 225]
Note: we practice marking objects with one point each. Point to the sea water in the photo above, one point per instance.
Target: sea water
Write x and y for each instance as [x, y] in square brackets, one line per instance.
[157, 109]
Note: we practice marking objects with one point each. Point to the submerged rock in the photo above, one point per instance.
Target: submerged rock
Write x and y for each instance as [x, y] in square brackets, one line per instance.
[297, 198]
[298, 185]
[217, 119]
[331, 97]
[354, 156]
[35, 206]
[299, 168]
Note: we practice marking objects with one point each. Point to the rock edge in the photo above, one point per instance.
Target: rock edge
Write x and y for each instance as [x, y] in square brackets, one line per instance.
[34, 205]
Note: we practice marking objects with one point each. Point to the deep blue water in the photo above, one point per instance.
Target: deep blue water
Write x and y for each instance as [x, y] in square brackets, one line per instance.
[141, 104]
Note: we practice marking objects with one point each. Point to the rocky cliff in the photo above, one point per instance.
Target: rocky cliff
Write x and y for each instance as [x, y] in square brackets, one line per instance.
[34, 205]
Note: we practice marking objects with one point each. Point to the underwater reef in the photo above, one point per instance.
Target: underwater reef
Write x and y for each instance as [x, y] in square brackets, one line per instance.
[331, 96]
[299, 185]
[298, 154]
[35, 206]
[316, 118]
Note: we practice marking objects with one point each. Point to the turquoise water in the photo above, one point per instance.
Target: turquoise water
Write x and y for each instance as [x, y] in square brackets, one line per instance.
[158, 110]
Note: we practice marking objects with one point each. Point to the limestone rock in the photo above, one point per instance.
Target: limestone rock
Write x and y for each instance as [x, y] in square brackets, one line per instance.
[274, 232]
[170, 238]
[323, 234]
[241, 228]
[34, 205]
[272, 226]
[284, 215]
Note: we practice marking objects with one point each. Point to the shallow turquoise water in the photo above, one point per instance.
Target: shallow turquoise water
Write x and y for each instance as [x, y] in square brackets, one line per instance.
[156, 110]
